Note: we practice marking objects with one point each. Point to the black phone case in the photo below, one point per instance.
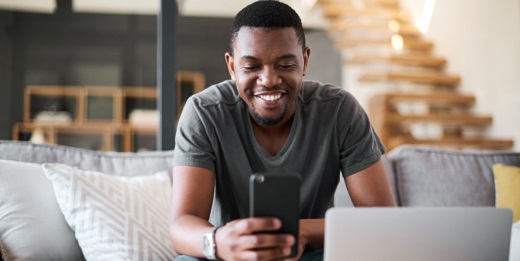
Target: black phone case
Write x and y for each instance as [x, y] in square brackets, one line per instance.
[277, 195]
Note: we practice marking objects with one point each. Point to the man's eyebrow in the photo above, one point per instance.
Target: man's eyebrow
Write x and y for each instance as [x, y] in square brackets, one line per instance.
[287, 56]
[248, 57]
[283, 57]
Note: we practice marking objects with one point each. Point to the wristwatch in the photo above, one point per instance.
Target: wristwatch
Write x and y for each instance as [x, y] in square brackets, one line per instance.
[209, 246]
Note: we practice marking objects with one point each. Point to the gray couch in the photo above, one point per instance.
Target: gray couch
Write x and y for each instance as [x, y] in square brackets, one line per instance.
[420, 176]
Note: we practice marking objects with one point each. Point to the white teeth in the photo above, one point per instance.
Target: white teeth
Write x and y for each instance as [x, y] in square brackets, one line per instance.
[271, 97]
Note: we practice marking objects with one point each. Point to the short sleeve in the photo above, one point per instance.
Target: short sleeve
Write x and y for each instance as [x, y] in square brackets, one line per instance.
[193, 146]
[360, 147]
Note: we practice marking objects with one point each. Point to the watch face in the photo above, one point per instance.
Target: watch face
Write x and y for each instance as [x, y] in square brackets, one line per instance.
[208, 246]
[205, 244]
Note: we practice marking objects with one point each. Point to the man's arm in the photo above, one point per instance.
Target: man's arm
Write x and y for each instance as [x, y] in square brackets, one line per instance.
[192, 197]
[370, 187]
[367, 188]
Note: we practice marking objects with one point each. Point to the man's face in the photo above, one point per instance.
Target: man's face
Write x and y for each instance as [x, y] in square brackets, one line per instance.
[268, 66]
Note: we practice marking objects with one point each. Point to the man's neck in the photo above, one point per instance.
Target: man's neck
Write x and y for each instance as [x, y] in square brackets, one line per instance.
[272, 138]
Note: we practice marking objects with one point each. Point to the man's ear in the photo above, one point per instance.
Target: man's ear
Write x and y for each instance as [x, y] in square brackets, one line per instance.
[230, 61]
[306, 55]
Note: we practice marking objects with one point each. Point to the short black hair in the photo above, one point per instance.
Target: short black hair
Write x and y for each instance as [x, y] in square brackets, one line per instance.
[267, 14]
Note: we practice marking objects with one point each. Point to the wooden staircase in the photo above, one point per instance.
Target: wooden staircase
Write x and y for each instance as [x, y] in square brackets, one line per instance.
[375, 34]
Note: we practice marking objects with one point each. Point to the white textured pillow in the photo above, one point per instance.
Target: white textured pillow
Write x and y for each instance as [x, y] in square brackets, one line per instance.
[114, 217]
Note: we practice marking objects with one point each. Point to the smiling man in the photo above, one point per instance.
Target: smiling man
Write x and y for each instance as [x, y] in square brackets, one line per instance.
[267, 118]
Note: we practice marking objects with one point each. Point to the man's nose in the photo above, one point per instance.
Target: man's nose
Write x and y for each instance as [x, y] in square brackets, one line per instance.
[269, 78]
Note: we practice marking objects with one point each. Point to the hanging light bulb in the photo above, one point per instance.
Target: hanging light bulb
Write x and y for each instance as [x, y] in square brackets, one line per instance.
[397, 42]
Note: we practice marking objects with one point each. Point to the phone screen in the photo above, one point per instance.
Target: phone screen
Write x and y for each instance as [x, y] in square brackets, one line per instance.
[277, 195]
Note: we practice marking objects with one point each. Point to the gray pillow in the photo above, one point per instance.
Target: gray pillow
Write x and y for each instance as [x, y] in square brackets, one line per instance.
[32, 226]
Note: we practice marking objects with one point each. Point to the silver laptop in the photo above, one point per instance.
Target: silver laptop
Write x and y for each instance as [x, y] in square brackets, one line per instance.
[391, 234]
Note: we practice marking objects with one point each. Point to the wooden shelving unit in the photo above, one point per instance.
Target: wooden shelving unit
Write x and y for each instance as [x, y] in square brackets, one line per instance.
[97, 117]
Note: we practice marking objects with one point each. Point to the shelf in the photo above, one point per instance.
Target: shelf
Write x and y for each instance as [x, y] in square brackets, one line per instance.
[53, 98]
[102, 104]
[105, 118]
[188, 84]
[140, 138]
[103, 137]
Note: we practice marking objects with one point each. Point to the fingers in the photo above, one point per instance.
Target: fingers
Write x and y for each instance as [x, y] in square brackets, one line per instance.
[266, 241]
[256, 233]
[253, 239]
[266, 254]
[255, 225]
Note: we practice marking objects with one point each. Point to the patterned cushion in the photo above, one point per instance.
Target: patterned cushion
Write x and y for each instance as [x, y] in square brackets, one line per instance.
[115, 218]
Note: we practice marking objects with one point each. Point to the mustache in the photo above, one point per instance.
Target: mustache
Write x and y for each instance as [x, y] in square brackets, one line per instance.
[252, 91]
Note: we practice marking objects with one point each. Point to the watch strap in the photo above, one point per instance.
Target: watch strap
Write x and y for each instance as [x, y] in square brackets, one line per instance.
[210, 235]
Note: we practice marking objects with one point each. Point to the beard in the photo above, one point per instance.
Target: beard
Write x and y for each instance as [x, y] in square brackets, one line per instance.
[267, 121]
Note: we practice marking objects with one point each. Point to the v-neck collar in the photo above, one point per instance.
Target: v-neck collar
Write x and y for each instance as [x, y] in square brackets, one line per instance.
[258, 148]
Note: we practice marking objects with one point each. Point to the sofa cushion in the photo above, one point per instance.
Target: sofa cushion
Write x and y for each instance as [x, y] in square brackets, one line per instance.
[115, 218]
[116, 163]
[507, 185]
[426, 176]
[30, 215]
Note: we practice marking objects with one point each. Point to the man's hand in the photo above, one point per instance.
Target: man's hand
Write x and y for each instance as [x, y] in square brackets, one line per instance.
[301, 248]
[250, 239]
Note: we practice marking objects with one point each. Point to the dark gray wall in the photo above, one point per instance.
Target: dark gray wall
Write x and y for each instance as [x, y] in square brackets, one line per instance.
[68, 48]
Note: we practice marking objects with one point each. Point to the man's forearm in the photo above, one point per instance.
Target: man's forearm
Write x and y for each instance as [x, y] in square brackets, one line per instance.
[186, 234]
[313, 231]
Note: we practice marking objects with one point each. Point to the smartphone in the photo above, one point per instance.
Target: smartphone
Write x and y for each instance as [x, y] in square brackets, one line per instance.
[277, 195]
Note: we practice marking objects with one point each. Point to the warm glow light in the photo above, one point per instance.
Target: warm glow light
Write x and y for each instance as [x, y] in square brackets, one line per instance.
[394, 26]
[397, 42]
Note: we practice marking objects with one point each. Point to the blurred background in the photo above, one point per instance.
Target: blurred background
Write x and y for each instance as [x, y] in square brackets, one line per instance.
[83, 73]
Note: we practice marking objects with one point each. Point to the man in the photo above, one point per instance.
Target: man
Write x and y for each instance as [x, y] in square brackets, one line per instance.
[268, 119]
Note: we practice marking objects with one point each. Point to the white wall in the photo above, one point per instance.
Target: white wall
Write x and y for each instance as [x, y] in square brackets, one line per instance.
[481, 41]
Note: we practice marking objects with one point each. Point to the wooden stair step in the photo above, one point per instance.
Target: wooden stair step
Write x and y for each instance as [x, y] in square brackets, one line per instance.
[443, 118]
[390, 26]
[408, 44]
[480, 142]
[380, 3]
[414, 77]
[346, 10]
[431, 98]
[407, 60]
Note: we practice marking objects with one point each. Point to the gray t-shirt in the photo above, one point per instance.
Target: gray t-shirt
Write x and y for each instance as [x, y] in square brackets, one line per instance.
[330, 133]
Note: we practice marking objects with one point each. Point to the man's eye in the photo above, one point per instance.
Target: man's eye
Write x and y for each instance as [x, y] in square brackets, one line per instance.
[249, 68]
[287, 66]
